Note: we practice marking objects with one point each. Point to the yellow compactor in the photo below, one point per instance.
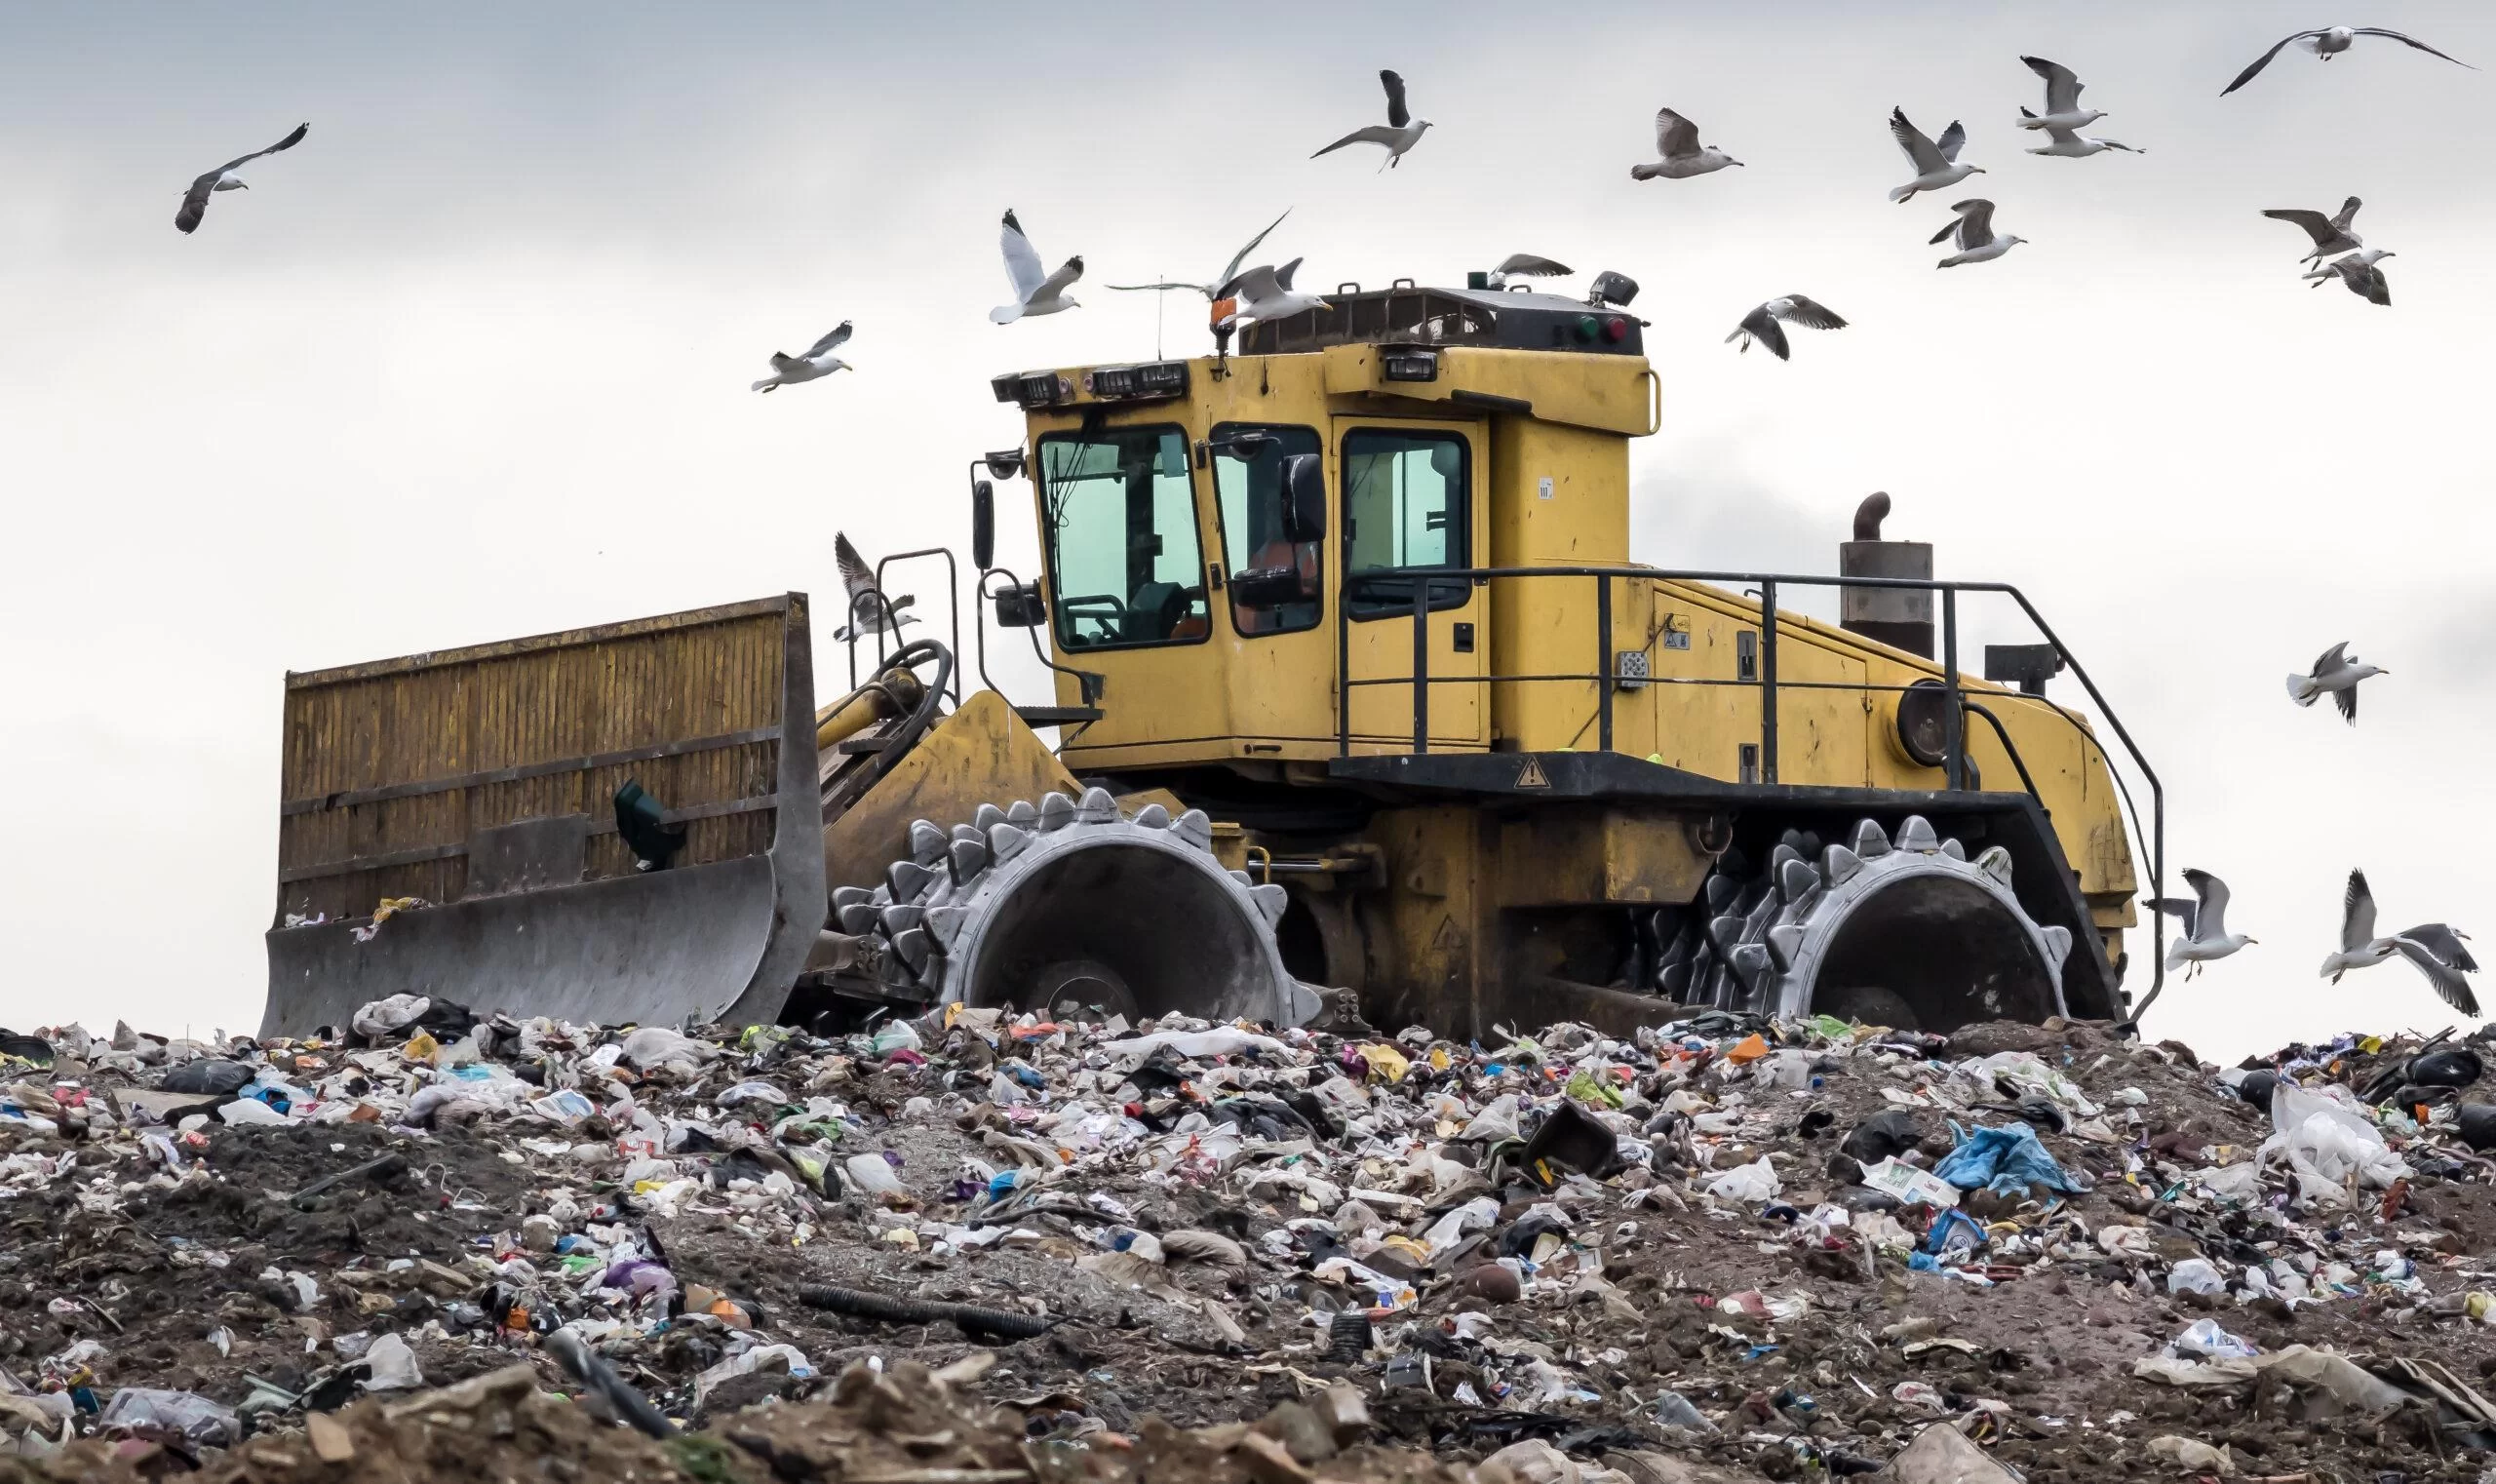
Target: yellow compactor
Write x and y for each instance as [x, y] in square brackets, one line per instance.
[1360, 701]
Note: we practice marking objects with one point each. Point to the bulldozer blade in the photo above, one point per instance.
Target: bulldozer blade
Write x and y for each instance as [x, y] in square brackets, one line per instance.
[479, 783]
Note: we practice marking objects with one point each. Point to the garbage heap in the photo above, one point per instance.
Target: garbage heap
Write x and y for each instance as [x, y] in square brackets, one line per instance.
[1725, 1249]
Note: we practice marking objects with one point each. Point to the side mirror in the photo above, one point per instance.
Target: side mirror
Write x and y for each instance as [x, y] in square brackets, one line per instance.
[983, 525]
[1021, 608]
[1304, 498]
[1267, 587]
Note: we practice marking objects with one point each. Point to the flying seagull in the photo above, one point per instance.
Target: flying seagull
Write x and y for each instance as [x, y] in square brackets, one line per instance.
[2337, 672]
[1264, 293]
[223, 178]
[1936, 162]
[2435, 947]
[2359, 271]
[1034, 292]
[1763, 324]
[2071, 144]
[1527, 265]
[2328, 42]
[2205, 937]
[2330, 234]
[2062, 99]
[1230, 269]
[818, 362]
[1401, 133]
[869, 611]
[1977, 242]
[1677, 141]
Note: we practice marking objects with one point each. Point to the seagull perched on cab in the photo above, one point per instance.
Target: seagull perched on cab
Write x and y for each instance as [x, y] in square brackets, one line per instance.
[817, 363]
[2062, 99]
[222, 179]
[1977, 242]
[2359, 271]
[2435, 947]
[1936, 162]
[1401, 133]
[1527, 265]
[1677, 141]
[869, 611]
[1263, 293]
[1034, 292]
[2338, 673]
[2328, 42]
[2332, 235]
[1229, 270]
[2205, 937]
[1764, 324]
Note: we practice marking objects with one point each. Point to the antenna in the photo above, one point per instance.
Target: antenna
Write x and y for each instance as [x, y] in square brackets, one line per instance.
[1156, 319]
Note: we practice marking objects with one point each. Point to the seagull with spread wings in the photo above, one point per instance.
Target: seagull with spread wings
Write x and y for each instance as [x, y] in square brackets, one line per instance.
[1977, 243]
[1229, 270]
[1677, 141]
[1767, 323]
[869, 613]
[2328, 42]
[1035, 291]
[1935, 161]
[2062, 99]
[1527, 265]
[2206, 938]
[1401, 133]
[222, 179]
[2358, 270]
[1263, 293]
[2337, 673]
[2332, 235]
[2435, 947]
[817, 363]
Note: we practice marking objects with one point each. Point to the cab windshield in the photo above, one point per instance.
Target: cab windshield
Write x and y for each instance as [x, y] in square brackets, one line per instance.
[1126, 561]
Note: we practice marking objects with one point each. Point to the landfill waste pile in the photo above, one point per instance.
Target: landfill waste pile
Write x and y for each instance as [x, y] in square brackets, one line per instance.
[979, 1248]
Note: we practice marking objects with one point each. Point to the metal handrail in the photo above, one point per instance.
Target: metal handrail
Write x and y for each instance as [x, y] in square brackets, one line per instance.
[952, 596]
[1605, 677]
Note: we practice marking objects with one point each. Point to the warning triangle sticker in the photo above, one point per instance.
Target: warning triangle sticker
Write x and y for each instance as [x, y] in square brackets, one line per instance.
[1531, 776]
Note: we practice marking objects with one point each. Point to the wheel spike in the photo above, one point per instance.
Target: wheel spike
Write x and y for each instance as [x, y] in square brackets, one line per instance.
[985, 815]
[926, 842]
[858, 918]
[1996, 863]
[1870, 841]
[907, 879]
[1953, 850]
[1917, 834]
[1023, 813]
[1153, 816]
[1006, 842]
[970, 856]
[1057, 811]
[1795, 878]
[843, 896]
[1838, 864]
[1193, 828]
[1097, 807]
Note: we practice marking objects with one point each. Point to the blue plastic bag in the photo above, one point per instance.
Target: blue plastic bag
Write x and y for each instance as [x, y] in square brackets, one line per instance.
[1954, 1232]
[2006, 1159]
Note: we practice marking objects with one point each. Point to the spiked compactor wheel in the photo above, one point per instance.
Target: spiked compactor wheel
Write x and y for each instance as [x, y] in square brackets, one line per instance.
[1071, 904]
[1907, 932]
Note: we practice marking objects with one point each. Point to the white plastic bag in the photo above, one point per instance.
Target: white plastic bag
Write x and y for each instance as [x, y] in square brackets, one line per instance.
[381, 1016]
[2195, 1275]
[394, 1366]
[1746, 1184]
[870, 1174]
[2324, 1142]
[1495, 1123]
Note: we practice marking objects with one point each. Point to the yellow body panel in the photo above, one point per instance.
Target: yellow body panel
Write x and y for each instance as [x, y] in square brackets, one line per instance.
[981, 754]
[1549, 486]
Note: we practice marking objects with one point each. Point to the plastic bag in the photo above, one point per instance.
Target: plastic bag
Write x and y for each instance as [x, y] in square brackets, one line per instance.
[2324, 1142]
[897, 1035]
[1746, 1184]
[1673, 1409]
[394, 1366]
[870, 1174]
[2008, 1160]
[193, 1416]
[1495, 1123]
[2195, 1275]
[380, 1017]
[2204, 1336]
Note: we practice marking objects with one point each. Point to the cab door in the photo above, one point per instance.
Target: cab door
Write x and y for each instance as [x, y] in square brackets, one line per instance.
[1410, 494]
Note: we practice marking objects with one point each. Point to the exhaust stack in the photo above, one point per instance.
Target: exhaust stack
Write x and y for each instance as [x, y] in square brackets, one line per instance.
[1900, 618]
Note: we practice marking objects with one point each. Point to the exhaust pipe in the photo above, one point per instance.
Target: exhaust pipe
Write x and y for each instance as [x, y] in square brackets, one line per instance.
[1900, 618]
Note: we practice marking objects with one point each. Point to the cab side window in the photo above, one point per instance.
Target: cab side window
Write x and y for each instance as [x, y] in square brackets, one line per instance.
[1125, 558]
[1248, 488]
[1405, 505]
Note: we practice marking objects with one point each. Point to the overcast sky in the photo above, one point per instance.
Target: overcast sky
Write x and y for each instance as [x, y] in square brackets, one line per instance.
[472, 362]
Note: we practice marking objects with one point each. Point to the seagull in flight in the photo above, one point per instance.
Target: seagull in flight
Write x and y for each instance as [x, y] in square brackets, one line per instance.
[2332, 235]
[818, 362]
[1764, 323]
[2205, 937]
[1527, 265]
[2338, 672]
[1034, 292]
[2071, 144]
[2359, 271]
[868, 613]
[1229, 270]
[2435, 947]
[2062, 99]
[1264, 293]
[1401, 133]
[1677, 141]
[1936, 162]
[222, 179]
[2328, 42]
[1977, 242]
